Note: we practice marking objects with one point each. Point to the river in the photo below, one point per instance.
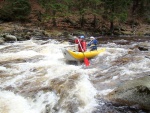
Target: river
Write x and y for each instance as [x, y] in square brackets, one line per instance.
[35, 77]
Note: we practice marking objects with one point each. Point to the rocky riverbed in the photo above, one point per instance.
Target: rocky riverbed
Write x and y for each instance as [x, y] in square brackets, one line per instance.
[10, 32]
[121, 78]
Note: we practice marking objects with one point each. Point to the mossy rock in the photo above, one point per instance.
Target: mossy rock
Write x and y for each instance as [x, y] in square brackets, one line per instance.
[135, 92]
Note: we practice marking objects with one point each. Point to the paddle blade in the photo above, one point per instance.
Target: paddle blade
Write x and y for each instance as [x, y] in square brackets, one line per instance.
[86, 61]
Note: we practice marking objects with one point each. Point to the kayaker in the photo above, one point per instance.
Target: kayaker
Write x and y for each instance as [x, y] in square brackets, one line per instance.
[81, 43]
[93, 43]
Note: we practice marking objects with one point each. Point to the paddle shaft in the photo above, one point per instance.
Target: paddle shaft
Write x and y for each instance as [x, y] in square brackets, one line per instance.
[86, 61]
[81, 46]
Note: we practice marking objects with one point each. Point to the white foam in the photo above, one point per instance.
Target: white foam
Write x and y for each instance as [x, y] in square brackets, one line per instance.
[12, 103]
[115, 77]
[86, 93]
[105, 92]
[17, 55]
[2, 68]
[42, 99]
[52, 66]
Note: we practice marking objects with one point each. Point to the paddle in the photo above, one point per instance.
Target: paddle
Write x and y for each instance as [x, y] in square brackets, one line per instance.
[86, 61]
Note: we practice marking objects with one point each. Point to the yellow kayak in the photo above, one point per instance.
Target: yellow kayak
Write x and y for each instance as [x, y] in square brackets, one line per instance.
[79, 56]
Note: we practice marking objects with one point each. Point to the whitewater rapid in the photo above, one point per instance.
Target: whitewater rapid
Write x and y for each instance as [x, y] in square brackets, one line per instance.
[28, 66]
[35, 77]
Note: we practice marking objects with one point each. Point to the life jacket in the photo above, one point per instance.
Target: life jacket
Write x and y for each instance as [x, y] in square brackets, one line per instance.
[81, 45]
[93, 44]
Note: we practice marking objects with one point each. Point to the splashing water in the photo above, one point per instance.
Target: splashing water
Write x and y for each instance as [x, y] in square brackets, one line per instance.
[35, 78]
[38, 80]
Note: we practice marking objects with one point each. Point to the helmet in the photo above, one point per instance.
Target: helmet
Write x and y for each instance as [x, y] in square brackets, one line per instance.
[92, 37]
[81, 36]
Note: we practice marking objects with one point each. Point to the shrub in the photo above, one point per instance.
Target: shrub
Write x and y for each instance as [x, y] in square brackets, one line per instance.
[15, 10]
[6, 12]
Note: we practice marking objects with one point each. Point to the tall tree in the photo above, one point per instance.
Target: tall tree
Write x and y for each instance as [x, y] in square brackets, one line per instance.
[140, 8]
[15, 9]
[115, 10]
[96, 9]
[81, 8]
[54, 9]
[21, 8]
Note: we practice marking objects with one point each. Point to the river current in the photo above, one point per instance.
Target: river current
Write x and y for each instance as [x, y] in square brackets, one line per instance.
[35, 77]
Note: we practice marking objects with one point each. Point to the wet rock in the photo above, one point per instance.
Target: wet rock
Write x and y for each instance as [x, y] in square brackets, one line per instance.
[148, 58]
[147, 34]
[144, 46]
[10, 38]
[46, 33]
[1, 40]
[135, 92]
[143, 49]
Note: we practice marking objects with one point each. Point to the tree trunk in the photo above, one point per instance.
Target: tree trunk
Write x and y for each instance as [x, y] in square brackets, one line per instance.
[111, 27]
[112, 19]
[82, 21]
[54, 19]
[94, 22]
[135, 6]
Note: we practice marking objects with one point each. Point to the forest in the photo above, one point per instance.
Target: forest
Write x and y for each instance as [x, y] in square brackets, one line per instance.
[96, 15]
[42, 71]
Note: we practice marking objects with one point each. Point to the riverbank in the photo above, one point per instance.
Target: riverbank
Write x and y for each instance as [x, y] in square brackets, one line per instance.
[24, 31]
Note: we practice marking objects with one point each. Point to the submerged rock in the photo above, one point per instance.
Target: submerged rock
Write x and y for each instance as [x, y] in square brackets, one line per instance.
[135, 92]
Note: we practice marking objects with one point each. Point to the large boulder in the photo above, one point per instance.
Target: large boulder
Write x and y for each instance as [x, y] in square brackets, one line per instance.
[135, 92]
[10, 38]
